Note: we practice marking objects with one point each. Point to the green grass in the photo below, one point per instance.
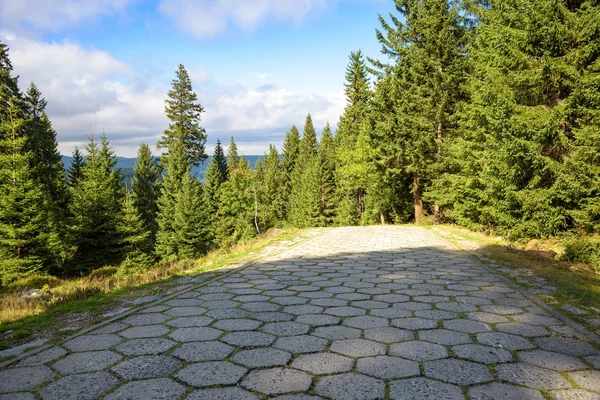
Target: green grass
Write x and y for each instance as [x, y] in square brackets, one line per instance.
[576, 284]
[24, 319]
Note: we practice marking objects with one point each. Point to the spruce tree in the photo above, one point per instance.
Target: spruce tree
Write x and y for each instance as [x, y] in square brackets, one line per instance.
[233, 160]
[427, 44]
[270, 183]
[185, 113]
[289, 158]
[350, 192]
[74, 173]
[146, 190]
[23, 240]
[216, 175]
[327, 190]
[190, 219]
[136, 241]
[97, 210]
[221, 161]
[176, 169]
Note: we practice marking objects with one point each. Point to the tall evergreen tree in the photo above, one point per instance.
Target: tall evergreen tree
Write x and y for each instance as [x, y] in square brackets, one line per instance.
[23, 242]
[75, 170]
[146, 190]
[327, 190]
[185, 113]
[427, 44]
[233, 160]
[351, 191]
[190, 220]
[136, 240]
[97, 210]
[290, 151]
[215, 176]
[270, 184]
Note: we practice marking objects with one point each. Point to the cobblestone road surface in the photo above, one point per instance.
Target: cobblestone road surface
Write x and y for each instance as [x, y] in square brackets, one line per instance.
[353, 314]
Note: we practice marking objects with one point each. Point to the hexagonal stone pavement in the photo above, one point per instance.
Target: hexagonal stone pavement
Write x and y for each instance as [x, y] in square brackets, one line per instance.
[364, 313]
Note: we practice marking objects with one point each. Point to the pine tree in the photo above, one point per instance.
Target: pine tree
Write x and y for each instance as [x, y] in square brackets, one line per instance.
[23, 242]
[350, 191]
[136, 240]
[146, 190]
[428, 45]
[290, 151]
[97, 210]
[327, 178]
[216, 175]
[75, 170]
[185, 113]
[190, 220]
[304, 196]
[176, 169]
[233, 161]
[270, 194]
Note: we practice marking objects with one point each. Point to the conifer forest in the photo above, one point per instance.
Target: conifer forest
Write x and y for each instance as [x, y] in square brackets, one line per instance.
[484, 114]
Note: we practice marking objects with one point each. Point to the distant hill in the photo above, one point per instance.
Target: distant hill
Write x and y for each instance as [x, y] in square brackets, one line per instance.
[127, 164]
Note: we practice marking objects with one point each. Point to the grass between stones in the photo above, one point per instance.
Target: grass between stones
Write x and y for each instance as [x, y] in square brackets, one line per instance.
[72, 304]
[572, 287]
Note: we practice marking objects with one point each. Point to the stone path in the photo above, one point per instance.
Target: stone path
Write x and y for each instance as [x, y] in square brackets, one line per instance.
[356, 313]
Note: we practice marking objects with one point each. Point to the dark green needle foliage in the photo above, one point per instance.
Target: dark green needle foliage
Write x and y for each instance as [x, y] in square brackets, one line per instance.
[185, 113]
[74, 174]
[289, 158]
[216, 175]
[146, 189]
[233, 159]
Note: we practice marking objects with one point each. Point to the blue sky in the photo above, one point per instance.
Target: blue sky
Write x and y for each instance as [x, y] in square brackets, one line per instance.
[258, 66]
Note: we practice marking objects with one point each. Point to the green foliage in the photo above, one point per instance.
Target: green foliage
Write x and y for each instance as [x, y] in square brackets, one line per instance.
[146, 190]
[290, 152]
[97, 211]
[185, 113]
[190, 220]
[216, 175]
[75, 170]
[233, 160]
[136, 240]
[269, 182]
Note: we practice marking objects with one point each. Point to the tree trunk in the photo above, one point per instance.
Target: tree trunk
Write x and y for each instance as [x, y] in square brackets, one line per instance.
[382, 217]
[418, 201]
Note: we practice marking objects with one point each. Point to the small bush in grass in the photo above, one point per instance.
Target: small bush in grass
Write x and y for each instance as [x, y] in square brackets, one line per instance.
[585, 249]
[36, 281]
[104, 272]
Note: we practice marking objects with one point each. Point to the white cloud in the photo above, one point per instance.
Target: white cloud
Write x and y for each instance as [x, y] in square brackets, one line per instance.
[261, 75]
[89, 87]
[57, 14]
[207, 18]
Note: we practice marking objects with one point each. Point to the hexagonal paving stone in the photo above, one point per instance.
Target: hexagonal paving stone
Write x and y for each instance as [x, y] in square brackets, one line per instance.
[203, 351]
[388, 335]
[226, 393]
[154, 389]
[345, 311]
[18, 396]
[211, 373]
[350, 387]
[138, 332]
[391, 298]
[482, 354]
[257, 358]
[303, 309]
[357, 347]
[146, 367]
[531, 376]
[418, 351]
[323, 363]
[185, 311]
[79, 387]
[195, 334]
[43, 357]
[217, 304]
[424, 389]
[457, 371]
[237, 324]
[467, 326]
[504, 341]
[86, 362]
[286, 328]
[146, 319]
[551, 360]
[436, 314]
[140, 347]
[594, 360]
[390, 313]
[587, 379]
[502, 391]
[318, 320]
[370, 304]
[297, 397]
[248, 339]
[337, 332]
[567, 346]
[574, 394]
[456, 306]
[414, 323]
[301, 344]
[272, 316]
[19, 379]
[327, 302]
[445, 337]
[225, 313]
[93, 342]
[386, 367]
[277, 381]
[262, 306]
[523, 329]
[186, 322]
[366, 321]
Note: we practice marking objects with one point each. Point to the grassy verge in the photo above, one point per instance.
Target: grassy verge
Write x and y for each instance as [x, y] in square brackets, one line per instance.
[83, 301]
[575, 284]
